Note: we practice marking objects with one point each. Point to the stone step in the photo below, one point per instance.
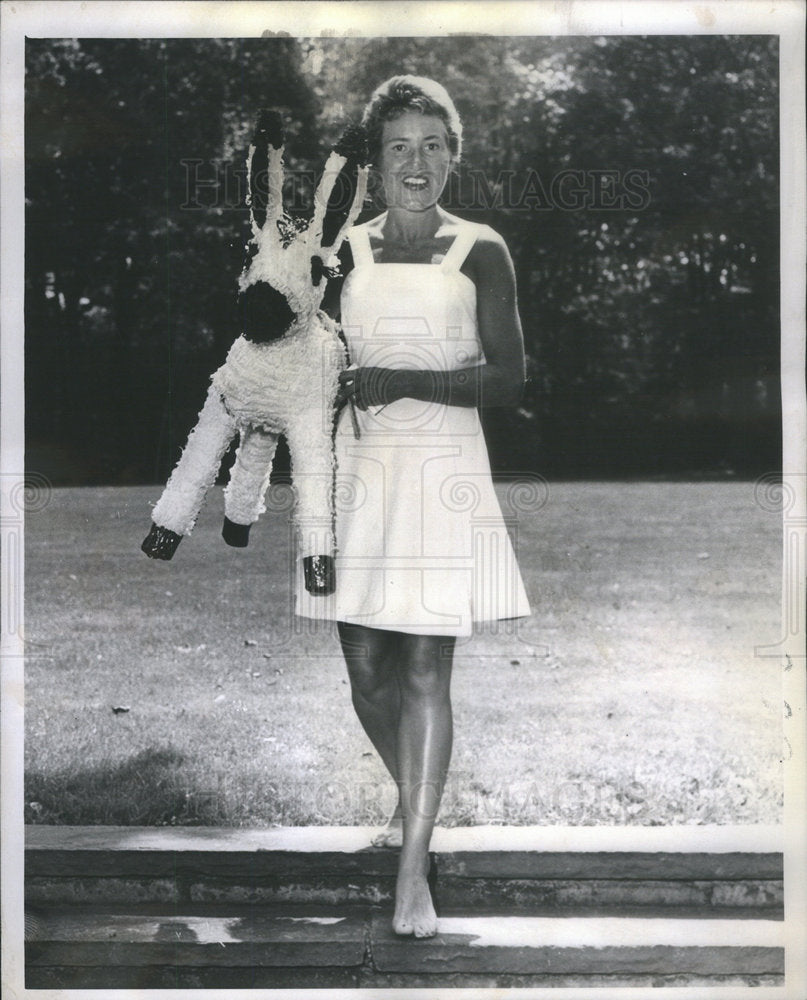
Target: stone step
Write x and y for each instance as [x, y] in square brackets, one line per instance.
[535, 870]
[584, 944]
[299, 947]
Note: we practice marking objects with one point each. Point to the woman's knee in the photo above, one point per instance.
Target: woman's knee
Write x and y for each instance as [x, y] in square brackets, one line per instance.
[424, 667]
[371, 682]
[370, 665]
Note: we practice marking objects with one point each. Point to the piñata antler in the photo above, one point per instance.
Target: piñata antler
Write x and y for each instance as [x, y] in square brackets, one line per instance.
[281, 375]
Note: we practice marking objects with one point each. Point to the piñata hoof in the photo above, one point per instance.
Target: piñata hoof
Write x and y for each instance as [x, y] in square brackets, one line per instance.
[320, 574]
[234, 534]
[160, 543]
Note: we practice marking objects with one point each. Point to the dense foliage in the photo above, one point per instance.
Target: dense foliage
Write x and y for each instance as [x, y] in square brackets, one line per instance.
[634, 178]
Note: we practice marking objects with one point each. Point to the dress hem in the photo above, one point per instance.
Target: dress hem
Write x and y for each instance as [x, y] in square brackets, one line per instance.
[457, 633]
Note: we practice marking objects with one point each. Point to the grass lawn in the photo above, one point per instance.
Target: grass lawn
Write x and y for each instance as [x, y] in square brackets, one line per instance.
[632, 696]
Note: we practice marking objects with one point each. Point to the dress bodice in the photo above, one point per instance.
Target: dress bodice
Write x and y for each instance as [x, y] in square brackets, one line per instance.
[417, 316]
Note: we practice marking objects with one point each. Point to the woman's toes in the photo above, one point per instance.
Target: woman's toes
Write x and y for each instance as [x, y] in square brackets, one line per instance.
[414, 909]
[391, 835]
[425, 928]
[386, 838]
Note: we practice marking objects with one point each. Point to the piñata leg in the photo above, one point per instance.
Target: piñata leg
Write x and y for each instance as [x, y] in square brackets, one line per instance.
[249, 481]
[310, 447]
[176, 511]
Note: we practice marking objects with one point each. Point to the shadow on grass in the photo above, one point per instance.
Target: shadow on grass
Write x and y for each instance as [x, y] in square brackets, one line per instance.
[148, 789]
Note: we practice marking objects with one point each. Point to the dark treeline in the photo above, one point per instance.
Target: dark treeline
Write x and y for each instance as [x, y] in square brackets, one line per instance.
[635, 180]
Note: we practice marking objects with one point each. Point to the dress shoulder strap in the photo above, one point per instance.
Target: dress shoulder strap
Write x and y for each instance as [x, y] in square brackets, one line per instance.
[461, 247]
[360, 246]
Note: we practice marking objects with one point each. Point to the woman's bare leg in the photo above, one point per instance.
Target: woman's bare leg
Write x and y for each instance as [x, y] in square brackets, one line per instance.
[371, 656]
[401, 693]
[423, 755]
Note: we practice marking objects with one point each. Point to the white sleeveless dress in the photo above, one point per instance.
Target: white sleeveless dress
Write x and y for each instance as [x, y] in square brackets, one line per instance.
[422, 546]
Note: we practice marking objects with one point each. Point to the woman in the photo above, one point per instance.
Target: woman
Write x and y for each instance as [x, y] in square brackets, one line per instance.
[429, 315]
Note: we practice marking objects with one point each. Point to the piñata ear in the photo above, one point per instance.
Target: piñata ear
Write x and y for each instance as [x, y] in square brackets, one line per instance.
[265, 169]
[340, 193]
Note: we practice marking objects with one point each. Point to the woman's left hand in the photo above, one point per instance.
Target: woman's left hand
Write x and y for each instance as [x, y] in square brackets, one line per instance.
[369, 386]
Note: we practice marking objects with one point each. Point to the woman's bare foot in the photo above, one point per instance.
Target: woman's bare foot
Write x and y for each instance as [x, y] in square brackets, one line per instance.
[392, 834]
[414, 909]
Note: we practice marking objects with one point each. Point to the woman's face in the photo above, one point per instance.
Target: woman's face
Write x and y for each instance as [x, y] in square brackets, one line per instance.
[415, 160]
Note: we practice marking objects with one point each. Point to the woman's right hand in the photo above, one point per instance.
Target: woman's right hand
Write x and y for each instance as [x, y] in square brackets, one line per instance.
[367, 387]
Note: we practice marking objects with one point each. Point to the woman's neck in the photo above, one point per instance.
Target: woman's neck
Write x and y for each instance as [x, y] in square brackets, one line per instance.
[402, 226]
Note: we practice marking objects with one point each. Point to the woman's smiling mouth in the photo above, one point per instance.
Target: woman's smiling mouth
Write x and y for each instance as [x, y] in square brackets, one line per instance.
[415, 182]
